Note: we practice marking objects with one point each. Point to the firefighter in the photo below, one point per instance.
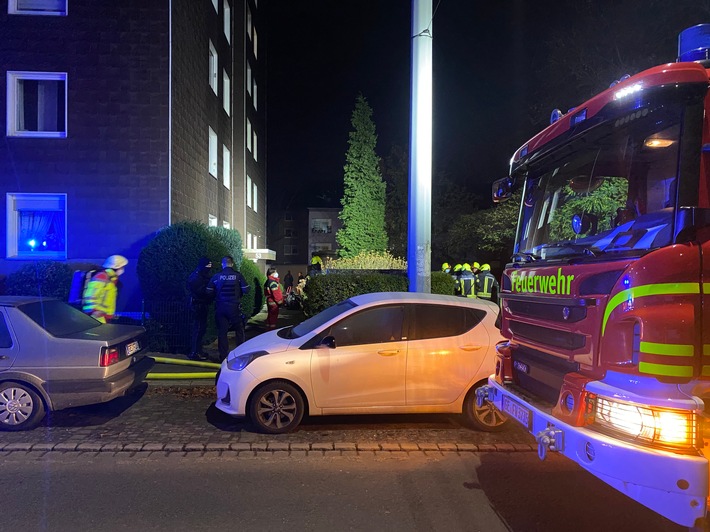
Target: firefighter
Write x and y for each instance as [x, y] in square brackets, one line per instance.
[487, 286]
[100, 293]
[466, 282]
[456, 273]
[446, 267]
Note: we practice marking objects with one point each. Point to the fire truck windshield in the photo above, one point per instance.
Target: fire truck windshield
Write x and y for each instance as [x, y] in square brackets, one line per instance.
[609, 189]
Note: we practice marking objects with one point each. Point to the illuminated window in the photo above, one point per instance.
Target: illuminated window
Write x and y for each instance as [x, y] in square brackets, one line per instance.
[321, 225]
[37, 104]
[255, 199]
[249, 241]
[212, 220]
[249, 134]
[214, 3]
[36, 226]
[225, 224]
[249, 22]
[255, 144]
[253, 95]
[37, 7]
[254, 41]
[249, 81]
[248, 191]
[213, 153]
[226, 93]
[226, 167]
[227, 21]
[213, 68]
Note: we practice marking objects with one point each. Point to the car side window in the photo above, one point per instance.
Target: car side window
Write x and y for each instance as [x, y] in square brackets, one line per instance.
[438, 321]
[5, 338]
[370, 326]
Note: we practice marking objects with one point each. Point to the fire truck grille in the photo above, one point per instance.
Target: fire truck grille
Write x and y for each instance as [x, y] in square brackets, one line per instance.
[540, 374]
[549, 337]
[547, 312]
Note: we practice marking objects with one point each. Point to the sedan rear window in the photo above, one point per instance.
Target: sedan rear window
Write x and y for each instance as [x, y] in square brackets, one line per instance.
[58, 318]
[438, 321]
[311, 324]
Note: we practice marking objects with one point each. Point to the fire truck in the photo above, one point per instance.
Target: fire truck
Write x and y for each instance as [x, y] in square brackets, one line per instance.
[605, 303]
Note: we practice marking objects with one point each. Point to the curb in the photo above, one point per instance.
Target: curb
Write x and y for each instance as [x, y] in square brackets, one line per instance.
[270, 448]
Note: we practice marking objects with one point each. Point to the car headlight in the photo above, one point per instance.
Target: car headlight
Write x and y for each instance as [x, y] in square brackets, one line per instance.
[650, 425]
[238, 363]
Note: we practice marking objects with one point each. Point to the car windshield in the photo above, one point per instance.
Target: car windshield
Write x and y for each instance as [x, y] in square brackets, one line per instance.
[311, 324]
[613, 188]
[58, 318]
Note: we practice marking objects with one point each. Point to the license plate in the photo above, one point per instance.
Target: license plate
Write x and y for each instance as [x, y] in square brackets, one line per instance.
[132, 348]
[517, 411]
[521, 367]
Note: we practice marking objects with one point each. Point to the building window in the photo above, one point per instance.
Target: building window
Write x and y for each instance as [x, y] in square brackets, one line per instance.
[249, 134]
[288, 217]
[214, 3]
[249, 241]
[213, 68]
[212, 220]
[226, 167]
[36, 226]
[255, 143]
[226, 93]
[37, 104]
[213, 153]
[249, 191]
[290, 249]
[225, 224]
[37, 7]
[249, 22]
[321, 225]
[255, 199]
[227, 21]
[253, 96]
[290, 233]
[254, 41]
[249, 79]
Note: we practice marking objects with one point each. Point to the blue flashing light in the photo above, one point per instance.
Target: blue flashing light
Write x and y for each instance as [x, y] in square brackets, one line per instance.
[626, 281]
[555, 115]
[32, 243]
[524, 151]
[694, 43]
[579, 117]
[577, 224]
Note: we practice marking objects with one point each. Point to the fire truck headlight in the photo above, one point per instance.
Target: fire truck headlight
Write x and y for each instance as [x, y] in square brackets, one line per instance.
[648, 425]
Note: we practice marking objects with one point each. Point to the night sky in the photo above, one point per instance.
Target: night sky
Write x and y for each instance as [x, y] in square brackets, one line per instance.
[322, 53]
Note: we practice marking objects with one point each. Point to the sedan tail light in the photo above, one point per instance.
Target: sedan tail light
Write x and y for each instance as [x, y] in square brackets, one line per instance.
[109, 356]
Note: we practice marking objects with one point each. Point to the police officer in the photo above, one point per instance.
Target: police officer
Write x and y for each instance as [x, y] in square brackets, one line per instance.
[487, 286]
[466, 282]
[199, 306]
[227, 288]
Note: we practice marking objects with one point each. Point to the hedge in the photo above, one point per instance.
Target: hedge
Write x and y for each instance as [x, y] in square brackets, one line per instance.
[254, 300]
[44, 278]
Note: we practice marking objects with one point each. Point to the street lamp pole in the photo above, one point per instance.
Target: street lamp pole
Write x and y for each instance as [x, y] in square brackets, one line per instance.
[420, 150]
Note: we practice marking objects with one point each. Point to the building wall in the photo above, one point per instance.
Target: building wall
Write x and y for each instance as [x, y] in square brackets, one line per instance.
[113, 163]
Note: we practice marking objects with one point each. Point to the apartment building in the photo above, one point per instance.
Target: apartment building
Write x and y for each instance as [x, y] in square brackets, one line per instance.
[124, 117]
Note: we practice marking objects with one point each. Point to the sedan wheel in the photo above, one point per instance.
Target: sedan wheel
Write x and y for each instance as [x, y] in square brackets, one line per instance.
[486, 417]
[20, 407]
[276, 407]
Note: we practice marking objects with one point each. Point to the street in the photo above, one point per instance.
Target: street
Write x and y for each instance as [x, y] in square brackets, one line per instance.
[488, 492]
[164, 459]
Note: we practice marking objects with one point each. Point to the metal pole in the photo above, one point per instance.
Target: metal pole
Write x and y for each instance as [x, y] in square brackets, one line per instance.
[420, 141]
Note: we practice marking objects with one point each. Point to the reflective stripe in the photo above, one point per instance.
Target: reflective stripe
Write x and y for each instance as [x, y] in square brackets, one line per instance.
[666, 370]
[661, 289]
[671, 350]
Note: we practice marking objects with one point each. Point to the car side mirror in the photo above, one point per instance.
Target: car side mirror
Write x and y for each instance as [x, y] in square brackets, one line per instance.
[328, 341]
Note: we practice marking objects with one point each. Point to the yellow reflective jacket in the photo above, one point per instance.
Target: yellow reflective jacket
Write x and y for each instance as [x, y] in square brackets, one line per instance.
[100, 295]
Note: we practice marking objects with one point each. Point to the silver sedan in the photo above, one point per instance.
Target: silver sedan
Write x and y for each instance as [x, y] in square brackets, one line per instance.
[53, 356]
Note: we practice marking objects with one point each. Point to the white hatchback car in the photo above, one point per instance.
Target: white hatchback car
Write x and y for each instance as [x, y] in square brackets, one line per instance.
[386, 353]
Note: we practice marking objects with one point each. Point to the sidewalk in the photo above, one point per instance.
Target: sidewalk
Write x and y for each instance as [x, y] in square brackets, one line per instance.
[255, 326]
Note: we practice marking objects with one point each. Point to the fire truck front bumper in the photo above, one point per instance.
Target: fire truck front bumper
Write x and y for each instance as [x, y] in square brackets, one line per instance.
[673, 485]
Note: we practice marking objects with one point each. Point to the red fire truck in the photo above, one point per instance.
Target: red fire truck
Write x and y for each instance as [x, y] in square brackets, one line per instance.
[606, 301]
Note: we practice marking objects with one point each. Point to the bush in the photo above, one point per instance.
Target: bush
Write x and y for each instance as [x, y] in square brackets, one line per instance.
[442, 283]
[254, 300]
[367, 260]
[44, 278]
[230, 240]
[323, 291]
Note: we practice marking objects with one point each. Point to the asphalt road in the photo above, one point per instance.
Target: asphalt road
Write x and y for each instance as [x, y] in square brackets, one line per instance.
[159, 491]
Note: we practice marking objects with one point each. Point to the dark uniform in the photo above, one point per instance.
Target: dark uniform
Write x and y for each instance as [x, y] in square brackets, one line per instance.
[487, 286]
[227, 287]
[199, 306]
[466, 284]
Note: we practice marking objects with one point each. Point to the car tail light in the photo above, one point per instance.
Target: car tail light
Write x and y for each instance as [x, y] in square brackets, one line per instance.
[109, 356]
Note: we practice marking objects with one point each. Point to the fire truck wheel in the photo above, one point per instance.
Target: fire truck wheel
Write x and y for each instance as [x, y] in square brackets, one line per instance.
[486, 418]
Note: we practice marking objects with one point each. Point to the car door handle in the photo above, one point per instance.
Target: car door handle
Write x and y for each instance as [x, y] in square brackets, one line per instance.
[389, 353]
[4, 357]
[470, 347]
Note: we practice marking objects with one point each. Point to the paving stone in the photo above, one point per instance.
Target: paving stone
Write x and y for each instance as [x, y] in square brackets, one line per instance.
[259, 446]
[153, 447]
[217, 447]
[390, 447]
[194, 447]
[133, 447]
[368, 446]
[448, 447]
[89, 447]
[240, 446]
[65, 446]
[345, 446]
[523, 447]
[43, 446]
[18, 447]
[486, 448]
[300, 446]
[299, 454]
[321, 446]
[409, 446]
[428, 446]
[467, 447]
[174, 447]
[274, 446]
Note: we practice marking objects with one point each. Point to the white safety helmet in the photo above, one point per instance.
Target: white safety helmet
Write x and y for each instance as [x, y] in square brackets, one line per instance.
[116, 262]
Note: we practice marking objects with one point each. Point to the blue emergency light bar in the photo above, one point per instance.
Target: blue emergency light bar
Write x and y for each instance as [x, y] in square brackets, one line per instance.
[694, 43]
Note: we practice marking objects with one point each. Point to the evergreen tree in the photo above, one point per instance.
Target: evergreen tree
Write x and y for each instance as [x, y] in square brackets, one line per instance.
[363, 201]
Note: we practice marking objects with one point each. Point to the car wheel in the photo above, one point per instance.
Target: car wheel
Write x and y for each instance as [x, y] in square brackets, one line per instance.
[20, 407]
[487, 417]
[276, 407]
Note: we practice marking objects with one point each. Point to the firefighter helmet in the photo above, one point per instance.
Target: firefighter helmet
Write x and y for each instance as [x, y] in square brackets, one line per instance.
[466, 267]
[446, 267]
[476, 266]
[115, 262]
[486, 268]
[457, 268]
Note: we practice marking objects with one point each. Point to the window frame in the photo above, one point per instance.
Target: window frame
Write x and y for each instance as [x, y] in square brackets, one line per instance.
[213, 68]
[226, 93]
[212, 153]
[226, 167]
[211, 220]
[13, 201]
[13, 77]
[227, 23]
[12, 9]
[248, 191]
